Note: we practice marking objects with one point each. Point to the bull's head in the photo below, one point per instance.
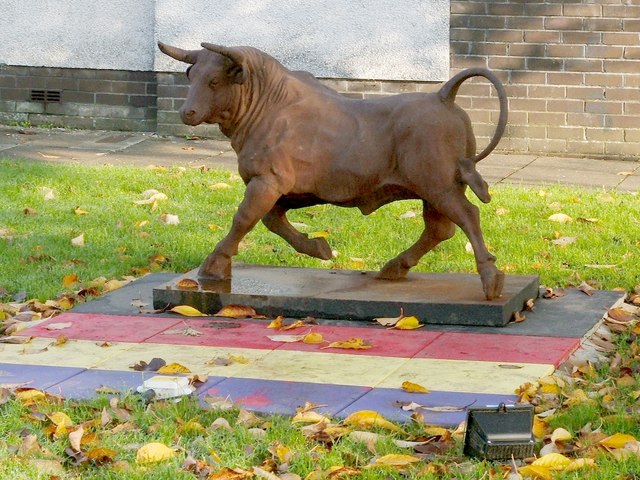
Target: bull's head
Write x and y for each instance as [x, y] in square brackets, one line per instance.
[215, 74]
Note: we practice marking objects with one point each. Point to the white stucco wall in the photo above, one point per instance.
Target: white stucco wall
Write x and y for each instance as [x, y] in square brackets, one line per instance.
[363, 39]
[106, 34]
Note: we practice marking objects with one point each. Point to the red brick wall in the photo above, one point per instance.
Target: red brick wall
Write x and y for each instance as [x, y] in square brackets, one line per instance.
[571, 69]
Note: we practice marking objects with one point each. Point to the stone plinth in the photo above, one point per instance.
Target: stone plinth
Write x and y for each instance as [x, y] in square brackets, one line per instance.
[435, 298]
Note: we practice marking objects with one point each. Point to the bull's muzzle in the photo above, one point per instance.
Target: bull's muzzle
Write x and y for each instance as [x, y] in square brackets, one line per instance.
[189, 116]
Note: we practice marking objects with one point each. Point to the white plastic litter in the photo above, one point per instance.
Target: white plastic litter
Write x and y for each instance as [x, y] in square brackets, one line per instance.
[162, 387]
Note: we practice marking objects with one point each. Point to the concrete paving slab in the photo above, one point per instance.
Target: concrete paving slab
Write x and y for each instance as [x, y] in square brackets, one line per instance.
[72, 353]
[34, 376]
[439, 407]
[497, 348]
[278, 397]
[174, 151]
[347, 294]
[101, 327]
[384, 342]
[324, 368]
[466, 376]
[574, 171]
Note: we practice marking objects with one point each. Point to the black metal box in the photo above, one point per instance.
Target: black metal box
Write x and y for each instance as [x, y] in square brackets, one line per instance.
[499, 432]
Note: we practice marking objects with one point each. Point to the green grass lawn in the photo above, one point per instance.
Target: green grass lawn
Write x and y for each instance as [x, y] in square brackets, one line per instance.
[125, 238]
[44, 207]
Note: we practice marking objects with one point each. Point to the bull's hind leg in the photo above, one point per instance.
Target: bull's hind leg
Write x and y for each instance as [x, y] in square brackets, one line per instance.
[276, 221]
[437, 228]
[466, 215]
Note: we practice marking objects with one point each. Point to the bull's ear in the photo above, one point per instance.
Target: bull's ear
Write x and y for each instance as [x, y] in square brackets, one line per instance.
[186, 56]
[236, 70]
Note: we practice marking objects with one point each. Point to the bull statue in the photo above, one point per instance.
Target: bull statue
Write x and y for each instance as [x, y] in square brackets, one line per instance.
[300, 143]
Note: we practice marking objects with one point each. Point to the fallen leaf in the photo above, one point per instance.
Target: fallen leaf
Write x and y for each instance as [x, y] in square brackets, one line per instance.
[351, 344]
[58, 326]
[70, 280]
[152, 366]
[187, 311]
[78, 241]
[286, 338]
[585, 288]
[408, 323]
[313, 338]
[617, 440]
[551, 293]
[172, 369]
[154, 452]
[187, 332]
[535, 472]
[564, 241]
[370, 419]
[78, 211]
[236, 311]
[60, 418]
[414, 387]
[169, 219]
[552, 461]
[560, 435]
[187, 283]
[75, 438]
[560, 218]
[396, 460]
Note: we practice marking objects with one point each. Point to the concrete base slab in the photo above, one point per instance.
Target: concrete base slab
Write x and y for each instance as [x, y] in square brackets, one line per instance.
[453, 299]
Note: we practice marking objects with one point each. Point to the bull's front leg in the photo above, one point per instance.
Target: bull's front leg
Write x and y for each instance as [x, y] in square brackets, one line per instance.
[260, 197]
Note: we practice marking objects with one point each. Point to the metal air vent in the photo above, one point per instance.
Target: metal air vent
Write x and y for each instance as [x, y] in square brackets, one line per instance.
[46, 96]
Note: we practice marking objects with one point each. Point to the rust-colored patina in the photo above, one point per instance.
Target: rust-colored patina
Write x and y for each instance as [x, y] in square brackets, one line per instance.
[300, 143]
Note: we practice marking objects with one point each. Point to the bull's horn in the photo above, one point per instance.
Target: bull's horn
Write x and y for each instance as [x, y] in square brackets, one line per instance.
[186, 56]
[229, 52]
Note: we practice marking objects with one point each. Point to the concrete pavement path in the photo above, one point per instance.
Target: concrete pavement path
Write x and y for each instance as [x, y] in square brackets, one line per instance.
[95, 147]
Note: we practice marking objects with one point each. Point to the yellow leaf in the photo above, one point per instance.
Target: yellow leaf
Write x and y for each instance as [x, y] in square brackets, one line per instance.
[560, 218]
[408, 323]
[579, 463]
[283, 453]
[30, 395]
[320, 234]
[236, 311]
[414, 388]
[537, 472]
[79, 211]
[539, 427]
[351, 344]
[550, 388]
[617, 440]
[294, 325]
[241, 359]
[70, 280]
[560, 435]
[396, 460]
[187, 311]
[113, 285]
[154, 452]
[277, 323]
[309, 417]
[60, 418]
[220, 186]
[313, 338]
[192, 427]
[370, 419]
[552, 461]
[172, 369]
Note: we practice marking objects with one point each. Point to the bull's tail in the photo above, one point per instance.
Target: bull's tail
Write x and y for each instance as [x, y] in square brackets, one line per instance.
[466, 168]
[448, 94]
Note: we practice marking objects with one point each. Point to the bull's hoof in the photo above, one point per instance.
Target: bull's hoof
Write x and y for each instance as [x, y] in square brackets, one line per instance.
[215, 267]
[321, 249]
[393, 270]
[492, 284]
